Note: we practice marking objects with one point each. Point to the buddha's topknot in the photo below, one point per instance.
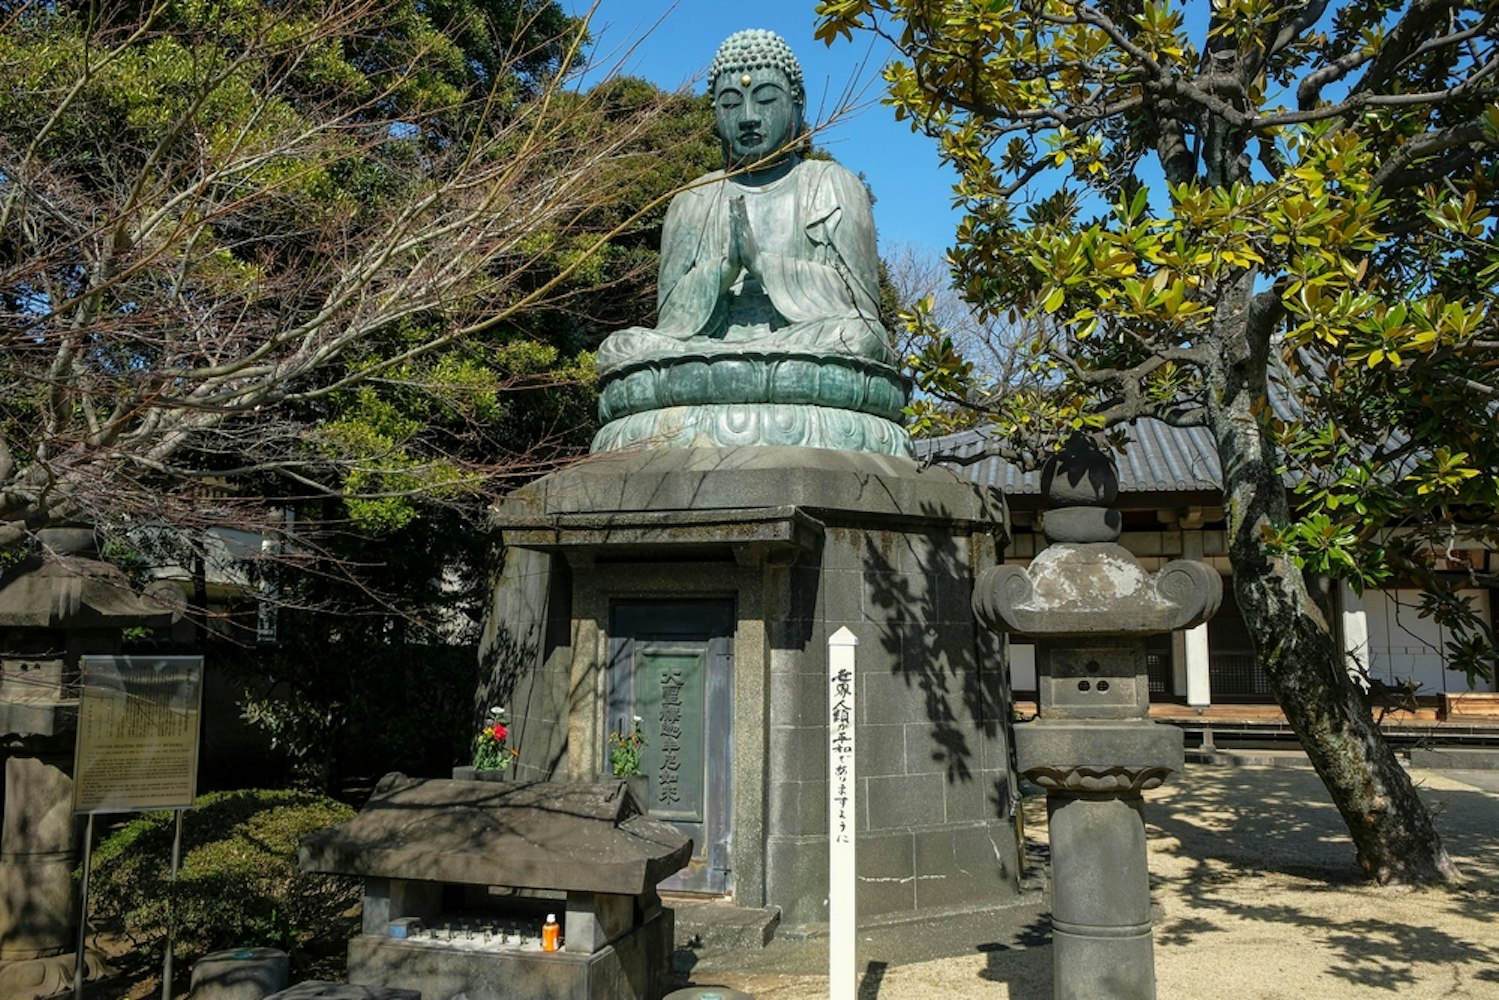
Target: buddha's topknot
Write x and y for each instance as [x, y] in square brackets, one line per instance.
[756, 48]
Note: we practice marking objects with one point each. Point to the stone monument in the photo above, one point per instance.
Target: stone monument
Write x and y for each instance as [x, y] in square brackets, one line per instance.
[55, 607]
[751, 491]
[1090, 606]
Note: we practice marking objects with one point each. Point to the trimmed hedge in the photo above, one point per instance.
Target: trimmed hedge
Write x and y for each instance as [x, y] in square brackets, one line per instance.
[238, 884]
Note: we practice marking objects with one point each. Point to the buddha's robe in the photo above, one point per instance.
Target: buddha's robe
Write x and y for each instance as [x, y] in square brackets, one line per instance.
[819, 274]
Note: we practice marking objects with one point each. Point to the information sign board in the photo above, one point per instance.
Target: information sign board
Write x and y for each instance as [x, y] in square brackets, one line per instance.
[138, 733]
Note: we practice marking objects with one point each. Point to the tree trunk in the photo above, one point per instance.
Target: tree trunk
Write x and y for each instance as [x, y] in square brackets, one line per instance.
[1391, 828]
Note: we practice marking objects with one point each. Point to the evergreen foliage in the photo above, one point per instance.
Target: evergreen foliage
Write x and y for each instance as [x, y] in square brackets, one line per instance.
[326, 275]
[238, 884]
[1276, 221]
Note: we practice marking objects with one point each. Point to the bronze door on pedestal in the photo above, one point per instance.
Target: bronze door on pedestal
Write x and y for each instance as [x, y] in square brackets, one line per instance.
[671, 663]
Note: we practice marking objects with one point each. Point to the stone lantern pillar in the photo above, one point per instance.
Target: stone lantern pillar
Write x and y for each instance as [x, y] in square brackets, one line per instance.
[1089, 606]
[55, 607]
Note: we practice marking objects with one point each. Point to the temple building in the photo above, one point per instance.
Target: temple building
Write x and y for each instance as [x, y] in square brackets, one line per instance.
[1171, 495]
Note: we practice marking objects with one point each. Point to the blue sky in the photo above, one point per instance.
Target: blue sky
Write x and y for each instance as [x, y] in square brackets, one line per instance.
[672, 44]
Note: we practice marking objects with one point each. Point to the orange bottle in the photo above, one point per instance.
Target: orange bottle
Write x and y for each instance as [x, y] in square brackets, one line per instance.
[551, 934]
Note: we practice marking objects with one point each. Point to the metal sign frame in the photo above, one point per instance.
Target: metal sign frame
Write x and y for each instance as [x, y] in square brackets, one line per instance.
[138, 723]
[136, 749]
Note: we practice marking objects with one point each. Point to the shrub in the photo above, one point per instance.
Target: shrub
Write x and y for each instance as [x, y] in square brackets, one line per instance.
[238, 884]
[367, 709]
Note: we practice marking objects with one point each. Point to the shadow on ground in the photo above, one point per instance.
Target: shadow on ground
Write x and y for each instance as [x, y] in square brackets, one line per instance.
[1254, 877]
[1241, 849]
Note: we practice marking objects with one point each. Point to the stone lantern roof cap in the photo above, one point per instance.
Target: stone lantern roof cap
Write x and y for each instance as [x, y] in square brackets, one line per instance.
[1096, 589]
[1084, 583]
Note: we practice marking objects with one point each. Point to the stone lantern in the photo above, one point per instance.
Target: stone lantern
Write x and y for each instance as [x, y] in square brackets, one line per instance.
[1089, 605]
[57, 606]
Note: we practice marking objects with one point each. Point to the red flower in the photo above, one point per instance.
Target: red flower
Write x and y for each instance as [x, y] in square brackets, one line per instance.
[499, 732]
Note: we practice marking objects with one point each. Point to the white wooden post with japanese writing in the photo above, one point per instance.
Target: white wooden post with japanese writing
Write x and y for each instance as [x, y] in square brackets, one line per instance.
[842, 813]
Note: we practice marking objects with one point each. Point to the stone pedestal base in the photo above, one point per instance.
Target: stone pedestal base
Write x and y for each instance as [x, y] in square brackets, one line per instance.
[786, 546]
[1101, 944]
[632, 968]
[35, 978]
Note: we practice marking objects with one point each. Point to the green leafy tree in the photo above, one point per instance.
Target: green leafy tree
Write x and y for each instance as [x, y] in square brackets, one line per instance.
[327, 273]
[220, 224]
[399, 578]
[1271, 220]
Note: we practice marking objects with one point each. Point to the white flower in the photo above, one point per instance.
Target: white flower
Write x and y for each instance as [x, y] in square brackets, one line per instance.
[497, 711]
[638, 720]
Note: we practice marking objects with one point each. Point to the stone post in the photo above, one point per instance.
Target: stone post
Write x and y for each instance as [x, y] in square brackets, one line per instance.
[1090, 606]
[36, 873]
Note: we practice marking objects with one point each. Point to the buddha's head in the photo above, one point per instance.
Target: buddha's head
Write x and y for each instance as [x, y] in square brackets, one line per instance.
[758, 97]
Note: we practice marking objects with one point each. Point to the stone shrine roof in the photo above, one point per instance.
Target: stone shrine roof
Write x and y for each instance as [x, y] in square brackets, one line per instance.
[67, 592]
[537, 835]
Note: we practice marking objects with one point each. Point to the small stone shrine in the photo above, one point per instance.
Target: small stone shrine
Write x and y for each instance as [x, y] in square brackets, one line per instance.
[1090, 606]
[55, 607]
[460, 875]
[751, 492]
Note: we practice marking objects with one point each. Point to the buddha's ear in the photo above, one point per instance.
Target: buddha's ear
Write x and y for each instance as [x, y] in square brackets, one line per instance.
[802, 144]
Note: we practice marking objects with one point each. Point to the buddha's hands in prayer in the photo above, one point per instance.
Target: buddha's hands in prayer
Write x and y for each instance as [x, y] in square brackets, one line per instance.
[743, 251]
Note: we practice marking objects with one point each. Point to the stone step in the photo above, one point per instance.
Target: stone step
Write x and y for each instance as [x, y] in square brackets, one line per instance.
[716, 925]
[1466, 758]
[1249, 758]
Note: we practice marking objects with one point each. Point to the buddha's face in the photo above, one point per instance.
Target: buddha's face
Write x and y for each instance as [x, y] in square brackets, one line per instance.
[757, 116]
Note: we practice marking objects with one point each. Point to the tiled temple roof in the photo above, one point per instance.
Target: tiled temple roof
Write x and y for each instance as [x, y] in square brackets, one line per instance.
[1159, 459]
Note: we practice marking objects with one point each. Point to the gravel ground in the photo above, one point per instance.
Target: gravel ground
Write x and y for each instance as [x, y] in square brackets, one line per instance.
[1257, 898]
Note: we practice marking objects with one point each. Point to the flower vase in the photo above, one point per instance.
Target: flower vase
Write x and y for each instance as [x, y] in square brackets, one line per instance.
[467, 772]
